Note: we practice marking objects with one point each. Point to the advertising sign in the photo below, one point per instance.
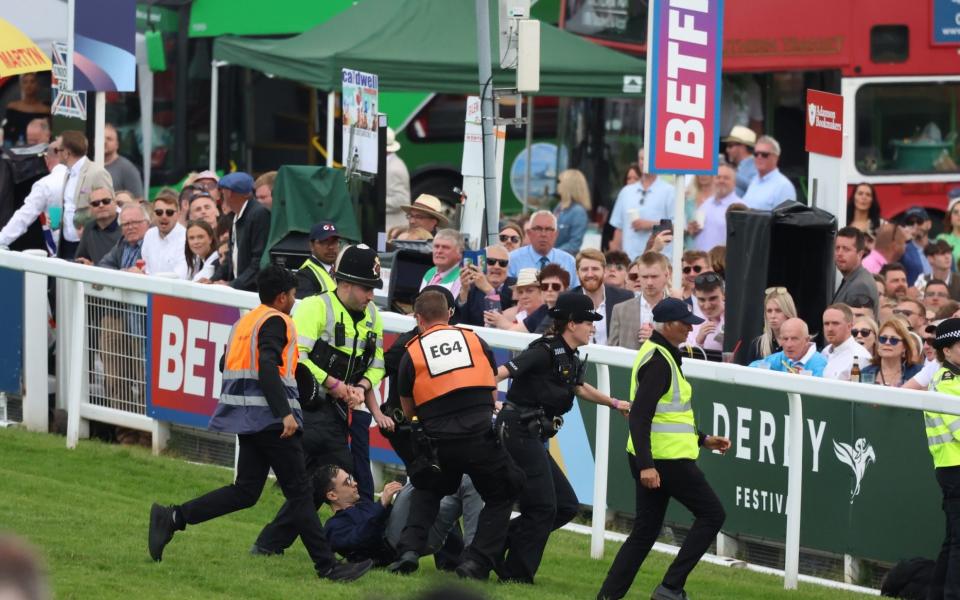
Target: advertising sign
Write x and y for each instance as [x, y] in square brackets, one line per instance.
[946, 22]
[683, 79]
[104, 45]
[360, 120]
[11, 352]
[65, 102]
[18, 53]
[824, 124]
[187, 339]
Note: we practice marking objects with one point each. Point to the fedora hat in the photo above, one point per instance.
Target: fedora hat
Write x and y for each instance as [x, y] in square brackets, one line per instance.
[430, 205]
[742, 135]
[392, 144]
[527, 277]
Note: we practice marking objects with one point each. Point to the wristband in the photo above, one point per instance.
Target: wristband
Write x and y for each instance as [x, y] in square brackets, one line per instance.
[336, 384]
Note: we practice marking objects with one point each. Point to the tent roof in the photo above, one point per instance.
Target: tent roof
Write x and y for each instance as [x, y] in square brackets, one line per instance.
[426, 45]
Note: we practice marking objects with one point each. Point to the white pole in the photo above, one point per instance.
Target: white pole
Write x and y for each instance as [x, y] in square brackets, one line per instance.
[75, 372]
[529, 165]
[679, 226]
[214, 110]
[98, 126]
[601, 466]
[791, 566]
[35, 324]
[331, 123]
[491, 197]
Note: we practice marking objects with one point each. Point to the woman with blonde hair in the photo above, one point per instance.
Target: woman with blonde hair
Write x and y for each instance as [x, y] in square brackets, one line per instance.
[865, 333]
[571, 211]
[778, 306]
[897, 358]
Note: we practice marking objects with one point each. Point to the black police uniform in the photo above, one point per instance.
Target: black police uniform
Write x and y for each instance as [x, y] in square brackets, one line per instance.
[544, 378]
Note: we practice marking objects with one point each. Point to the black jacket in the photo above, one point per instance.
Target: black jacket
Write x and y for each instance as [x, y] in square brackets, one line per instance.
[471, 311]
[253, 228]
[613, 295]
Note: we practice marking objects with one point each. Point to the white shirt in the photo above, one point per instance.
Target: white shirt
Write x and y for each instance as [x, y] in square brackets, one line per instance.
[600, 337]
[70, 201]
[233, 237]
[206, 269]
[165, 254]
[44, 194]
[636, 202]
[840, 359]
[925, 376]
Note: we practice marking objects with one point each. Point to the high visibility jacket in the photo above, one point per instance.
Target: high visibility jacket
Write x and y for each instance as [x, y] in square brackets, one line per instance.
[316, 319]
[325, 281]
[446, 359]
[243, 407]
[673, 432]
[943, 430]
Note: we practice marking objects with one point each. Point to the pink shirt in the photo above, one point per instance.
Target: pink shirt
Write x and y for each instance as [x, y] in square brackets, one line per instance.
[874, 262]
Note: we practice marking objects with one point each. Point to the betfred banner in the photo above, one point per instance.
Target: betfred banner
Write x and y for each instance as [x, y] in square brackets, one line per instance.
[683, 79]
[824, 124]
[187, 339]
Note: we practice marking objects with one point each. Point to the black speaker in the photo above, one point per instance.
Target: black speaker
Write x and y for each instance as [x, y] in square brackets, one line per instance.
[406, 274]
[291, 251]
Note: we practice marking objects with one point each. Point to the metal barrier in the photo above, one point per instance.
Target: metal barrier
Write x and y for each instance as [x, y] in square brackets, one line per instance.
[82, 304]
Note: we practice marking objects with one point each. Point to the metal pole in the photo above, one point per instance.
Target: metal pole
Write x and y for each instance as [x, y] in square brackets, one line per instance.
[601, 466]
[35, 324]
[99, 124]
[529, 166]
[679, 226]
[331, 123]
[214, 110]
[490, 197]
[75, 372]
[791, 563]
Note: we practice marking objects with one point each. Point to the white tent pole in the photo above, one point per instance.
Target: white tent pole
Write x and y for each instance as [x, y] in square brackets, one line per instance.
[98, 127]
[214, 110]
[331, 123]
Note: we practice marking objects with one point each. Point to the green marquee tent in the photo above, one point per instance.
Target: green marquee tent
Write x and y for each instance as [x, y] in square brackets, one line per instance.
[426, 45]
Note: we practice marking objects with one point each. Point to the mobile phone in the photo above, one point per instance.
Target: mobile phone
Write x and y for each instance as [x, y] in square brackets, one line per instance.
[664, 225]
[478, 258]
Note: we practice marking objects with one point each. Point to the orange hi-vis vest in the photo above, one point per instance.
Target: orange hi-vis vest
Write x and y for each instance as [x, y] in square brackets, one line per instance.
[447, 359]
[243, 407]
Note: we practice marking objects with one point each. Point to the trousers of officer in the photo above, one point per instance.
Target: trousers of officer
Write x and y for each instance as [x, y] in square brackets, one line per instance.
[546, 503]
[260, 452]
[945, 583]
[680, 479]
[497, 480]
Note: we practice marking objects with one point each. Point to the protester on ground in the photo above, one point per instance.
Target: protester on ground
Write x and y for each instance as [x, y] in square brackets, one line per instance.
[202, 206]
[799, 354]
[864, 331]
[894, 281]
[940, 256]
[134, 220]
[856, 281]
[126, 175]
[615, 273]
[480, 292]
[590, 269]
[163, 245]
[541, 250]
[708, 289]
[778, 306]
[951, 227]
[426, 212]
[248, 233]
[398, 183]
[572, 211]
[448, 245]
[20, 112]
[863, 208]
[935, 294]
[714, 210]
[639, 208]
[102, 234]
[897, 358]
[663, 447]
[770, 187]
[739, 150]
[263, 189]
[511, 236]
[631, 322]
[200, 251]
[545, 378]
[315, 275]
[699, 190]
[842, 349]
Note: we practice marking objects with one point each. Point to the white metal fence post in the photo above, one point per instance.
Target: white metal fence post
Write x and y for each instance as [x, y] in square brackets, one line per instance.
[601, 467]
[77, 333]
[791, 563]
[35, 331]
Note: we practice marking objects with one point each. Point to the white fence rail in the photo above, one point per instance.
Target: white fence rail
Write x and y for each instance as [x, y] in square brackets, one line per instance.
[77, 282]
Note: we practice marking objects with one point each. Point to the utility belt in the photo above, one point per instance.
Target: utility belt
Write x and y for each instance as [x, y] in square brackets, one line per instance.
[533, 420]
[348, 368]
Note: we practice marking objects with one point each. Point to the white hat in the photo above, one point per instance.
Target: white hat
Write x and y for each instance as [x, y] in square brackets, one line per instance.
[742, 135]
[430, 205]
[392, 144]
[527, 277]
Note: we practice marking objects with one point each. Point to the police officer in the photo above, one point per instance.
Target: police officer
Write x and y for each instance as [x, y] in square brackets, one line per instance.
[447, 389]
[943, 439]
[546, 376]
[663, 448]
[340, 339]
[316, 273]
[259, 403]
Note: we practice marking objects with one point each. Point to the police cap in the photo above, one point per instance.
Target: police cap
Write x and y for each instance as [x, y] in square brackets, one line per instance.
[672, 309]
[948, 333]
[574, 306]
[360, 265]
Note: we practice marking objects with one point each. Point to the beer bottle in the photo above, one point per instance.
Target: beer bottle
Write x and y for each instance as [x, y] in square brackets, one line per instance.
[855, 370]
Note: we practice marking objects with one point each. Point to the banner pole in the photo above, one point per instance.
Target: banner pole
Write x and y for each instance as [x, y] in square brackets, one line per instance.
[791, 563]
[679, 226]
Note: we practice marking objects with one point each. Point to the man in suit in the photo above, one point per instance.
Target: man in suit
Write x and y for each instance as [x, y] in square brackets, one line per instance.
[631, 322]
[857, 281]
[475, 287]
[248, 235]
[83, 176]
[591, 266]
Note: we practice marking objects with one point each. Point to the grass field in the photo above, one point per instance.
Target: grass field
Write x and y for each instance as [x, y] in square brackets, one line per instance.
[86, 510]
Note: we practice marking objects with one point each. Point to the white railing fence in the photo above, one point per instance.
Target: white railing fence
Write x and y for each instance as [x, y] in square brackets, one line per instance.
[112, 296]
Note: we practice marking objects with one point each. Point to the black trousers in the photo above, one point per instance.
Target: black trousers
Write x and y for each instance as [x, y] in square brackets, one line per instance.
[945, 584]
[497, 480]
[684, 481]
[259, 452]
[546, 503]
[324, 443]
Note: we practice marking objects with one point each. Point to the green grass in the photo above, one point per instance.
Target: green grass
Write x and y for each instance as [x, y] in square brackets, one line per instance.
[86, 510]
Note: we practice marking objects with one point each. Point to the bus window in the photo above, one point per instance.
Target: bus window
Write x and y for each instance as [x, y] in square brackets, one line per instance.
[614, 20]
[442, 119]
[889, 43]
[905, 128]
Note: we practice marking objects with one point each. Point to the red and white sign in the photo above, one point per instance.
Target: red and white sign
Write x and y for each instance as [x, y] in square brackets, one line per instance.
[824, 123]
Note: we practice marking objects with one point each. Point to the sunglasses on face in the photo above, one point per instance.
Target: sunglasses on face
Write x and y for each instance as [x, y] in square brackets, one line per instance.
[861, 332]
[694, 269]
[763, 154]
[164, 211]
[99, 203]
[498, 262]
[513, 239]
[889, 340]
[929, 340]
[551, 287]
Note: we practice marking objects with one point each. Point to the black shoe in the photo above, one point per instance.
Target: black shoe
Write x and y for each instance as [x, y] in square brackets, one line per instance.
[162, 529]
[347, 571]
[664, 593]
[408, 562]
[471, 569]
[257, 550]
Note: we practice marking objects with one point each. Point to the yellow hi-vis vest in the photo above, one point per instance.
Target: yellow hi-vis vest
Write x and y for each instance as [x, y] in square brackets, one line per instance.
[673, 433]
[324, 279]
[943, 430]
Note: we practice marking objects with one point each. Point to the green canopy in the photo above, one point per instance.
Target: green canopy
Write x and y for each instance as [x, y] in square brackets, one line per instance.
[427, 45]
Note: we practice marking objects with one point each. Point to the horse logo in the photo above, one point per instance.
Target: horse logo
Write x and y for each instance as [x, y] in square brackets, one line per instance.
[857, 457]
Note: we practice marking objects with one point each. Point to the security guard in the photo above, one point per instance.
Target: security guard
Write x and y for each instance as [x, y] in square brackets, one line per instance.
[943, 438]
[447, 389]
[340, 339]
[663, 448]
[259, 403]
[546, 376]
[316, 273]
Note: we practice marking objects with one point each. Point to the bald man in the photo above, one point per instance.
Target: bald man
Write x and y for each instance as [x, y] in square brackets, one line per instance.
[799, 354]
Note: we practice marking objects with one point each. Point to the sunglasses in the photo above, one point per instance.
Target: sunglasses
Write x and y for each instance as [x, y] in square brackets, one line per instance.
[498, 262]
[695, 268]
[706, 278]
[861, 332]
[889, 340]
[161, 211]
[763, 154]
[929, 340]
[777, 289]
[513, 239]
[99, 203]
[548, 287]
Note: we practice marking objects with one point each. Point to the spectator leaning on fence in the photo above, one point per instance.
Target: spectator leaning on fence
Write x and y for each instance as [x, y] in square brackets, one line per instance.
[200, 251]
[841, 349]
[897, 359]
[163, 244]
[103, 232]
[799, 354]
[541, 251]
[134, 221]
[447, 251]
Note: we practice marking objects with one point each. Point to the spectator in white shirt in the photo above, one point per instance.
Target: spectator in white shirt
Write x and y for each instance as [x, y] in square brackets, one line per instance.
[163, 245]
[841, 349]
[200, 251]
[44, 193]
